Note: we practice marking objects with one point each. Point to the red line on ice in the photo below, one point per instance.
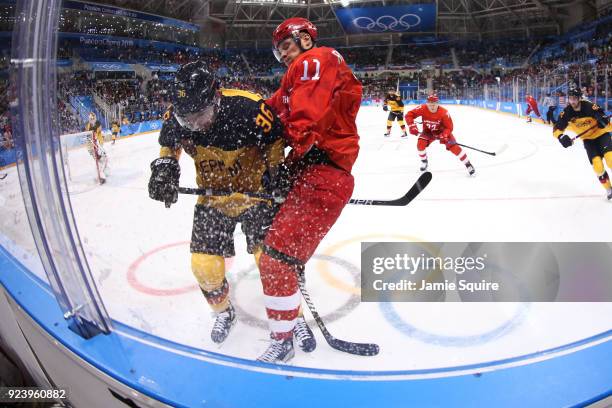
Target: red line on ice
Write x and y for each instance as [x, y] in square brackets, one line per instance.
[136, 284]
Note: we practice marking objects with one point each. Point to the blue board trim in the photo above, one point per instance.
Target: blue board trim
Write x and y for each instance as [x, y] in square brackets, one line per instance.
[176, 378]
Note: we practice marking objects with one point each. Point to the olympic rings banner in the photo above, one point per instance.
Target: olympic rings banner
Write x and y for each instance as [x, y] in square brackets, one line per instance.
[392, 19]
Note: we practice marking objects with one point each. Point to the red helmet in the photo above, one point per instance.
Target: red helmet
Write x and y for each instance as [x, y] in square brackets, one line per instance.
[291, 27]
[433, 98]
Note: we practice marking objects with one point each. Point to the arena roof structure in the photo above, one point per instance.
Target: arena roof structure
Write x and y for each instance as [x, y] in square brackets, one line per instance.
[250, 22]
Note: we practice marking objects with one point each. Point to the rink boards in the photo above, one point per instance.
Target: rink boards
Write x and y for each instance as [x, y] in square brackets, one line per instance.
[163, 360]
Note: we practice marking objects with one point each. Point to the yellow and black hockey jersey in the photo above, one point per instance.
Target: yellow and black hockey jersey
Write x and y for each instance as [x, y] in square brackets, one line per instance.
[588, 117]
[244, 141]
[97, 131]
[394, 102]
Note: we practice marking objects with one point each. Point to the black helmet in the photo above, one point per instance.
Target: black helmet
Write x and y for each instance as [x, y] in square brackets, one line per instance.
[195, 89]
[575, 92]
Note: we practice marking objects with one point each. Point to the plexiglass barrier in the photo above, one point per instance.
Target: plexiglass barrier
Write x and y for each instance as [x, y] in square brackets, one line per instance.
[40, 168]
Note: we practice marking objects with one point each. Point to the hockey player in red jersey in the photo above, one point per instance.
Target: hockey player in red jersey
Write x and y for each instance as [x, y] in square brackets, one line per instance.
[317, 101]
[437, 125]
[532, 106]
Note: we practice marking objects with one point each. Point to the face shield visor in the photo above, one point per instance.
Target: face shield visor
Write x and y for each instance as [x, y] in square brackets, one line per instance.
[277, 54]
[197, 121]
[276, 50]
[285, 44]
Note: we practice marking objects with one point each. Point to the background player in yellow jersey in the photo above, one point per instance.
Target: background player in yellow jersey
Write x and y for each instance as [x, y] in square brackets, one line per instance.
[236, 143]
[115, 129]
[580, 116]
[395, 106]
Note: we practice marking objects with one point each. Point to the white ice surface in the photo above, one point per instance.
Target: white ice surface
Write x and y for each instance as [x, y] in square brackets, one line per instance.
[534, 191]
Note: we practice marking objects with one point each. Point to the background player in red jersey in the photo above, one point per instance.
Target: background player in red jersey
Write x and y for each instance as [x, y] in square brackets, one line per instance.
[317, 102]
[532, 106]
[437, 125]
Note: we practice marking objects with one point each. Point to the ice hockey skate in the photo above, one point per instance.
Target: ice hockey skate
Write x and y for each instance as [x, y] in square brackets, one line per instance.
[471, 170]
[224, 322]
[279, 351]
[303, 335]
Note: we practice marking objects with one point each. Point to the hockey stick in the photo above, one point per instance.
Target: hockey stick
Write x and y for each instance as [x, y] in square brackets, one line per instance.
[504, 147]
[360, 349]
[2, 177]
[414, 191]
[583, 132]
[481, 151]
[220, 193]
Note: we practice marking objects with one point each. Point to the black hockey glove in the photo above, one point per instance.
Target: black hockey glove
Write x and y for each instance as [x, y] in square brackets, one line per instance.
[385, 108]
[565, 141]
[602, 122]
[164, 181]
[278, 182]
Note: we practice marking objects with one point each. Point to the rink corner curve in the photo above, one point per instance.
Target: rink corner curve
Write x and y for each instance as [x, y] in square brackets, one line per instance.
[129, 366]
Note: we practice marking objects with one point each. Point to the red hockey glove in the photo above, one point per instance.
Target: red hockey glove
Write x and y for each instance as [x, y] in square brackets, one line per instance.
[412, 128]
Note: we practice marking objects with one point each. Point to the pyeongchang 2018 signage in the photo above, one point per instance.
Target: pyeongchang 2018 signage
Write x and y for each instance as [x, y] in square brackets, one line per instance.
[392, 19]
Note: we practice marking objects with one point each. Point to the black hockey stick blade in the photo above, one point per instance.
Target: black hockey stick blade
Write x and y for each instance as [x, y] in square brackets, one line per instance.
[2, 177]
[414, 191]
[360, 349]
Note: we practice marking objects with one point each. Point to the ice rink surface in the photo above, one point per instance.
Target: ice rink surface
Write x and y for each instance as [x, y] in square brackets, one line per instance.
[533, 191]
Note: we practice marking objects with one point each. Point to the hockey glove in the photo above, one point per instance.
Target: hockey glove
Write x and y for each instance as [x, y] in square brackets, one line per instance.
[565, 141]
[412, 128]
[444, 136]
[278, 181]
[164, 181]
[603, 121]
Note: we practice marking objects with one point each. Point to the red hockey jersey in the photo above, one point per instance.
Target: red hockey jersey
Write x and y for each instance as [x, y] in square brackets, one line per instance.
[317, 102]
[531, 102]
[437, 124]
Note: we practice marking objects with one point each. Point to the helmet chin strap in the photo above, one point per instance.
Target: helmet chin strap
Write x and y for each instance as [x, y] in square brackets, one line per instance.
[298, 41]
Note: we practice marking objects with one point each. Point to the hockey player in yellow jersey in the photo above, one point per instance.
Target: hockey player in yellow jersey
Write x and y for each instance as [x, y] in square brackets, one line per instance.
[115, 129]
[395, 106]
[237, 146]
[584, 116]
